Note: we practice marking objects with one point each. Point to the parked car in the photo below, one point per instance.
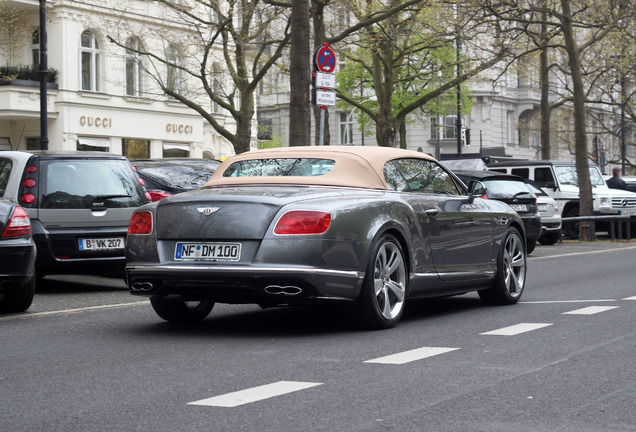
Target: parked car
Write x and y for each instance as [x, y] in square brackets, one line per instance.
[513, 191]
[551, 228]
[17, 257]
[369, 227]
[169, 176]
[560, 181]
[79, 204]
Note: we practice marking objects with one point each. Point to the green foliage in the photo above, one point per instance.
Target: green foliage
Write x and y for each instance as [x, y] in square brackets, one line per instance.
[27, 73]
[273, 143]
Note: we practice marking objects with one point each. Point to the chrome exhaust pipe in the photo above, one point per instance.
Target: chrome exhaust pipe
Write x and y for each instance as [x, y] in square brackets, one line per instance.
[142, 286]
[287, 290]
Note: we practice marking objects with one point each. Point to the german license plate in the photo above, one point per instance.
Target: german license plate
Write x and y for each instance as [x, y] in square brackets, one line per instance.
[519, 207]
[208, 251]
[543, 207]
[101, 244]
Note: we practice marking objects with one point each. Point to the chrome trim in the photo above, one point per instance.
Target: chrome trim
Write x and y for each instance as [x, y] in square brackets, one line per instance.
[160, 268]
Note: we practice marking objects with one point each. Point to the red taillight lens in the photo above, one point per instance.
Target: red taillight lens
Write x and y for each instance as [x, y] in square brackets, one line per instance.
[19, 224]
[32, 169]
[140, 223]
[303, 222]
[27, 198]
[141, 181]
[29, 183]
[157, 195]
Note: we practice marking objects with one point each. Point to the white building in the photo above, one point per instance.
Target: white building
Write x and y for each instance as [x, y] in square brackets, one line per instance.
[102, 99]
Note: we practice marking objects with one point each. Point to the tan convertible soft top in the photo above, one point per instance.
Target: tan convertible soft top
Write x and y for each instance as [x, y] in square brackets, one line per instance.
[355, 166]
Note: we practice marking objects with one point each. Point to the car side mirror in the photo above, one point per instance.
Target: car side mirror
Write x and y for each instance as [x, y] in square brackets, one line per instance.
[476, 189]
[551, 185]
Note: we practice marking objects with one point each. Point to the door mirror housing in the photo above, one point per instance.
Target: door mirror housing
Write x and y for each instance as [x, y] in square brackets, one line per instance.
[476, 189]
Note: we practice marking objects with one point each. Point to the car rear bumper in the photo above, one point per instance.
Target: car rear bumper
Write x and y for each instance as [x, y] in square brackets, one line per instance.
[17, 259]
[241, 284]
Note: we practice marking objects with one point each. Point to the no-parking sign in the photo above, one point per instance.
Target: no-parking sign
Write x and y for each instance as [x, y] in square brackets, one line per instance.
[325, 59]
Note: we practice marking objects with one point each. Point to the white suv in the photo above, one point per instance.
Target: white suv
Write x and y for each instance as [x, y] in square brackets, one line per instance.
[560, 181]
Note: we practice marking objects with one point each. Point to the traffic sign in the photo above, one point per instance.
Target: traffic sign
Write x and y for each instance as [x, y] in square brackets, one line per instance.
[323, 97]
[324, 80]
[325, 59]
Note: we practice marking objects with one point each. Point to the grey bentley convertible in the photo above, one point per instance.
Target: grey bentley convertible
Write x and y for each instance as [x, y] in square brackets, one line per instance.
[367, 227]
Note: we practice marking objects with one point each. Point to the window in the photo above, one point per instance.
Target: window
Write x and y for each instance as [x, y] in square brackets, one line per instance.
[521, 172]
[173, 76]
[448, 127]
[418, 175]
[90, 62]
[510, 127]
[346, 128]
[5, 172]
[133, 68]
[35, 49]
[543, 176]
[93, 144]
[136, 148]
[176, 150]
[279, 167]
[217, 88]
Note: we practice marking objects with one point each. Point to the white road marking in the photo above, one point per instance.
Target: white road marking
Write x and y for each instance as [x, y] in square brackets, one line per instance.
[591, 310]
[255, 394]
[412, 355]
[516, 329]
[568, 301]
[569, 254]
[26, 315]
[630, 298]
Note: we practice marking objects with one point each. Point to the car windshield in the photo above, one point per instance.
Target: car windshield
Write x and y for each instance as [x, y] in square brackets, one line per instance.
[279, 167]
[506, 187]
[566, 174]
[82, 183]
[180, 176]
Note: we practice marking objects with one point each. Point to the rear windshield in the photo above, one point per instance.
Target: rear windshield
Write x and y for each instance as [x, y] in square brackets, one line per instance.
[279, 167]
[180, 176]
[506, 187]
[89, 183]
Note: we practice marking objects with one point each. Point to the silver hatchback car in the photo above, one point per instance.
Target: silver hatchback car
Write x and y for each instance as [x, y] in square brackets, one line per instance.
[79, 204]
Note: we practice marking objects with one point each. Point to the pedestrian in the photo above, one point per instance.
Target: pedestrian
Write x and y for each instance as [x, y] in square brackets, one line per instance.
[616, 182]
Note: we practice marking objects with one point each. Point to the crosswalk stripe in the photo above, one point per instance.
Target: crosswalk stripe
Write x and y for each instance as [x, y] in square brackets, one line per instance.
[255, 394]
[590, 310]
[412, 355]
[516, 329]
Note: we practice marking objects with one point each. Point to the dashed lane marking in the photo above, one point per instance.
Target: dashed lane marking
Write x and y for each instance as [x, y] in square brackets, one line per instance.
[412, 355]
[591, 310]
[630, 298]
[255, 394]
[568, 301]
[516, 329]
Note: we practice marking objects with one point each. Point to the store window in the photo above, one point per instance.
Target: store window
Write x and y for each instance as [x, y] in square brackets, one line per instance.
[91, 62]
[176, 150]
[93, 144]
[133, 67]
[136, 148]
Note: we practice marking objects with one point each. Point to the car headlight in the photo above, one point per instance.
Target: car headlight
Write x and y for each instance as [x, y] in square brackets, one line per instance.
[605, 202]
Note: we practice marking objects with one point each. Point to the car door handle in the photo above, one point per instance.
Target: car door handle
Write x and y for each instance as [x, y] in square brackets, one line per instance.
[432, 212]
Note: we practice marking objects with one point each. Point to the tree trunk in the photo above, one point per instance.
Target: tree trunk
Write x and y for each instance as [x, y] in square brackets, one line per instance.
[244, 123]
[580, 136]
[546, 110]
[300, 75]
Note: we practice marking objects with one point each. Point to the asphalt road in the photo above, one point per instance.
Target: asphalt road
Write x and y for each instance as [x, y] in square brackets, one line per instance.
[89, 357]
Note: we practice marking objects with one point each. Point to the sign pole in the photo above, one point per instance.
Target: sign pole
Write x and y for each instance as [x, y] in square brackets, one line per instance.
[321, 141]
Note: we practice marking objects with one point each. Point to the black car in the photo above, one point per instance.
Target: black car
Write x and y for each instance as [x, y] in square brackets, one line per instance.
[514, 191]
[169, 176]
[17, 258]
[79, 204]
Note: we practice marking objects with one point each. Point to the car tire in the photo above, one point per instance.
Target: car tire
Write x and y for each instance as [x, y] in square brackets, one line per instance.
[19, 298]
[383, 295]
[571, 229]
[530, 245]
[511, 272]
[550, 238]
[180, 311]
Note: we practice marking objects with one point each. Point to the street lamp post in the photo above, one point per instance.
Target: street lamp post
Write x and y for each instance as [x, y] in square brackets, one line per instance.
[623, 124]
[43, 72]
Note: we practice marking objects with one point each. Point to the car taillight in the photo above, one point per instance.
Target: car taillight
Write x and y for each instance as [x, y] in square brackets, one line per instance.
[32, 169]
[29, 183]
[141, 181]
[303, 222]
[27, 198]
[140, 223]
[19, 224]
[157, 195]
